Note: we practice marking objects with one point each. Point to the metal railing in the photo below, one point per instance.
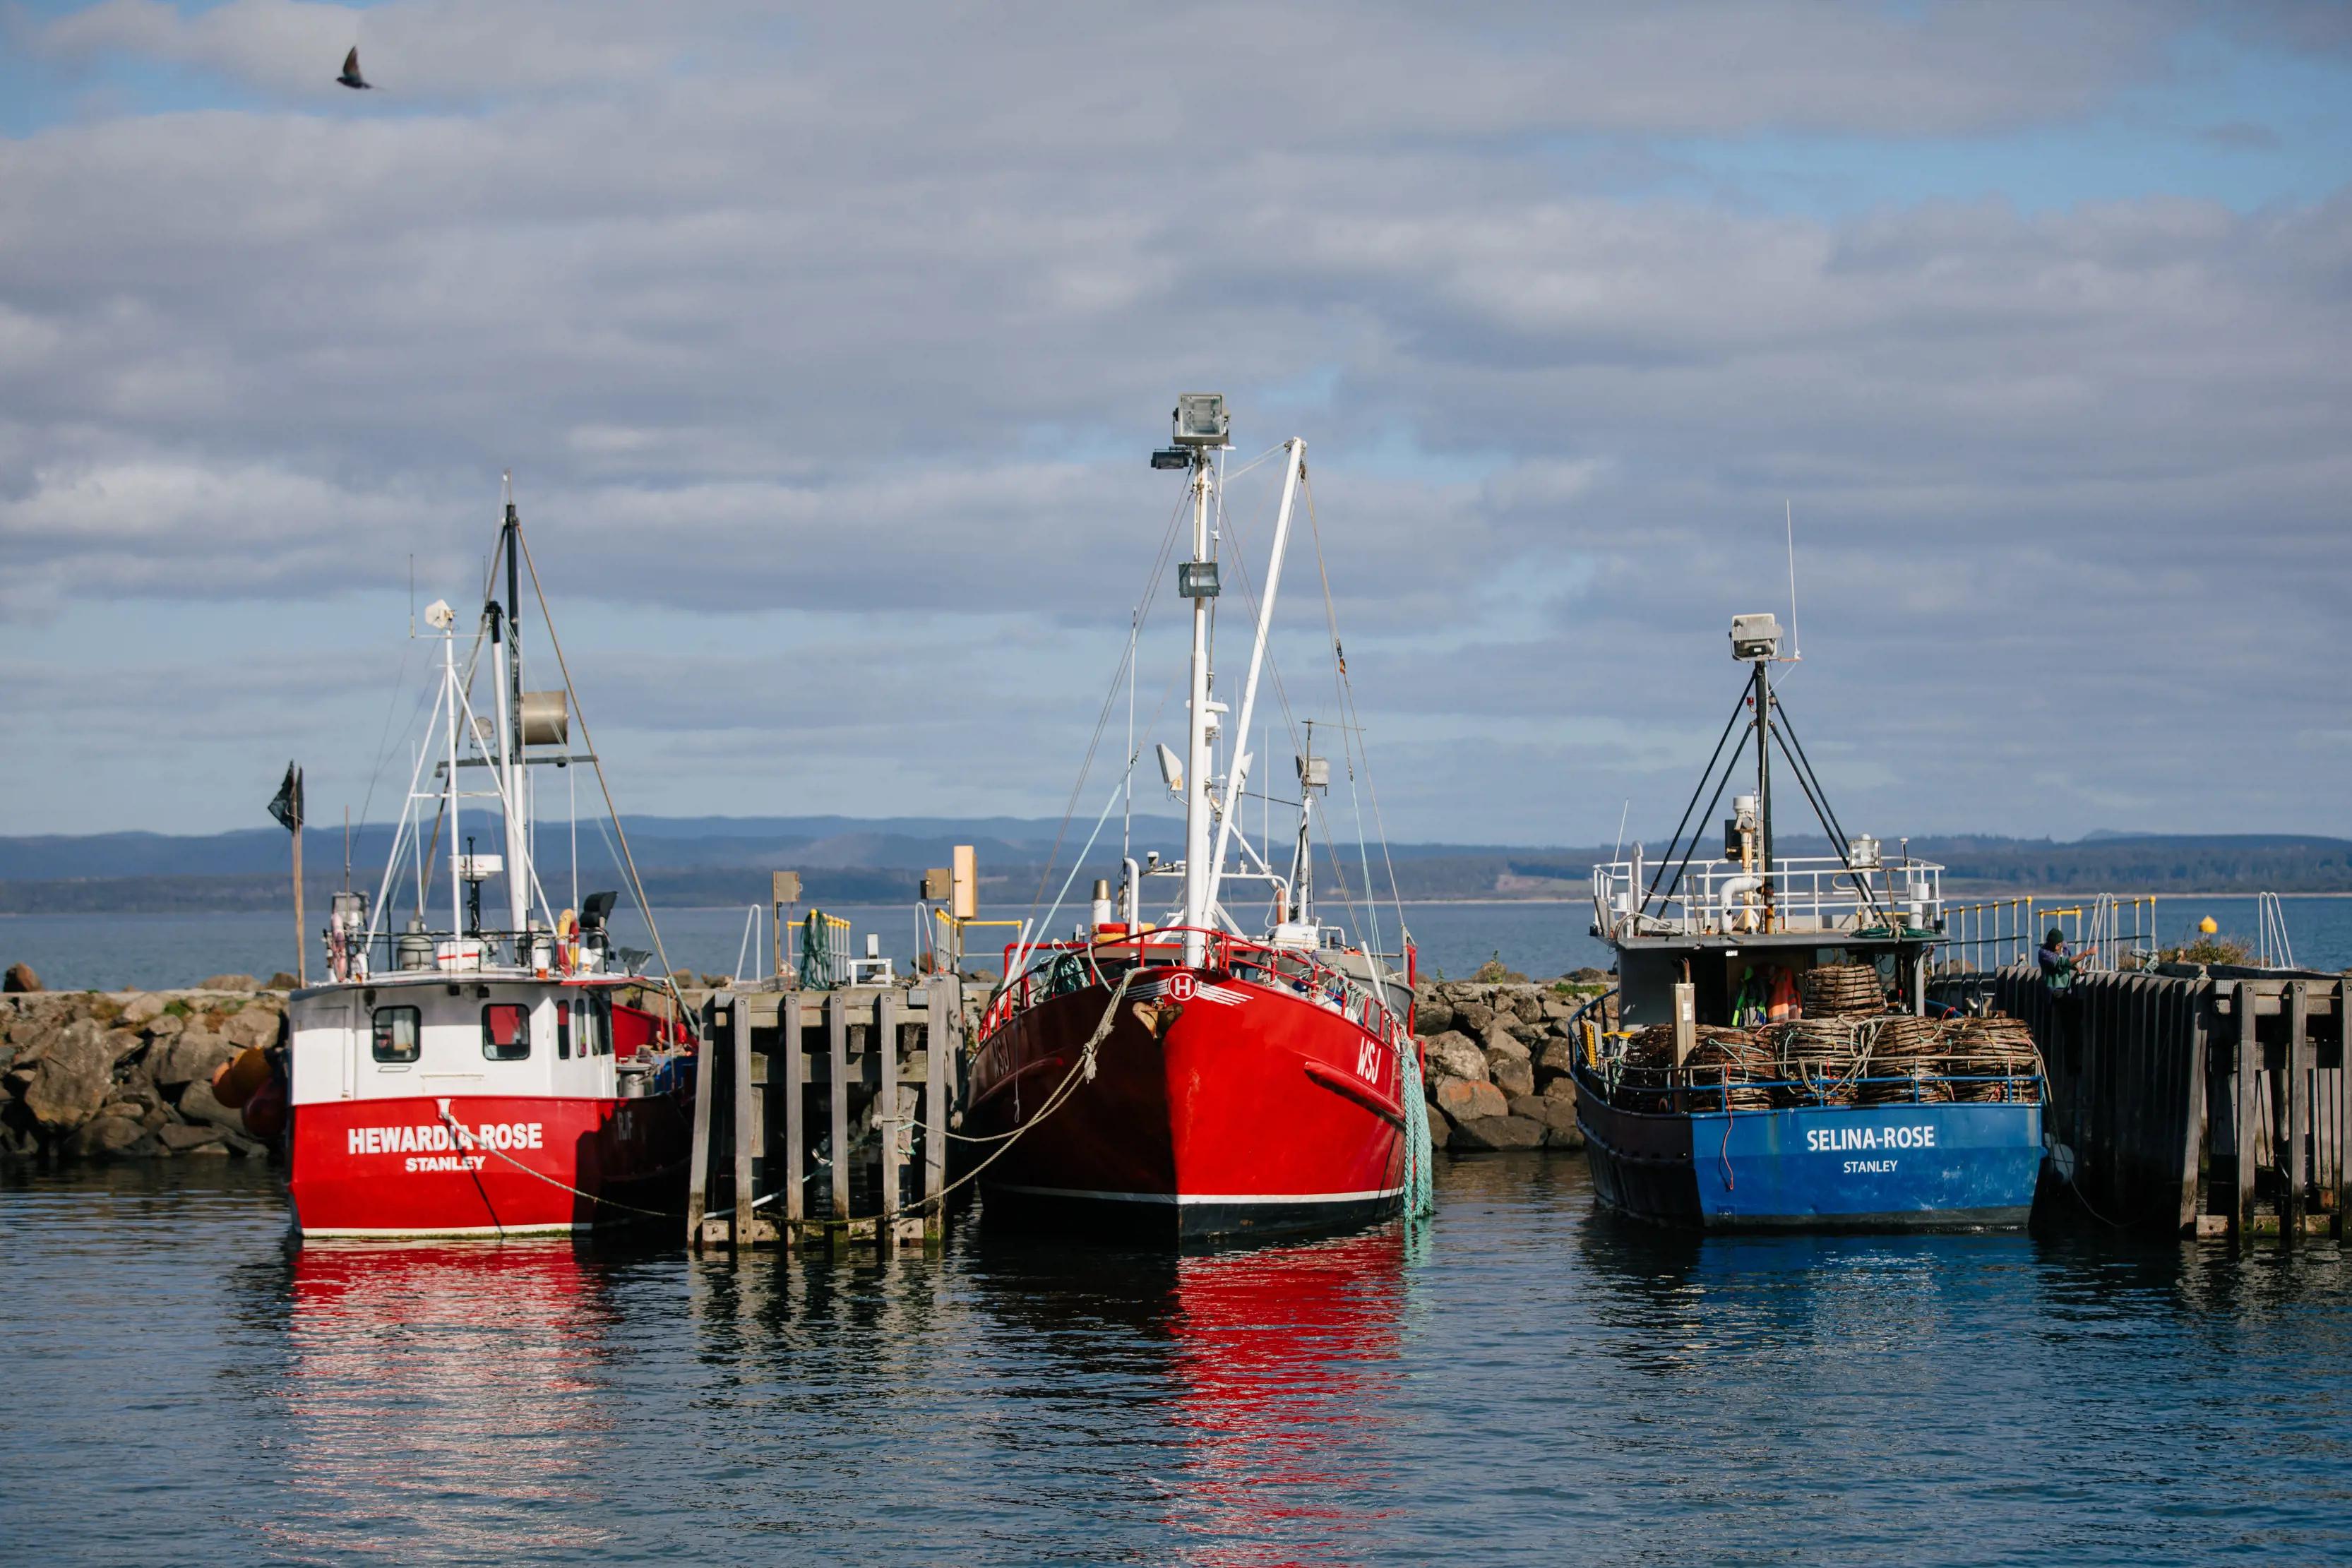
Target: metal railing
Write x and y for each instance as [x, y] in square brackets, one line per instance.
[2107, 931]
[1057, 968]
[1719, 897]
[353, 955]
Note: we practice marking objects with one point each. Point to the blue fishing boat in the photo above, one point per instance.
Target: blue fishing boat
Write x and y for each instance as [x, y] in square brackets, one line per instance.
[1774, 1064]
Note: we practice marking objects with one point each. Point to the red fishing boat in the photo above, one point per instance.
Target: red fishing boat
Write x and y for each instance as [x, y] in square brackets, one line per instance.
[473, 1078]
[1186, 1080]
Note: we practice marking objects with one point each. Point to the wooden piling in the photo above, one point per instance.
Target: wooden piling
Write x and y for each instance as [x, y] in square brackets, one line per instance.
[789, 1039]
[697, 1161]
[885, 1050]
[941, 1034]
[2188, 1022]
[2299, 1108]
[837, 1029]
[2250, 1074]
[747, 1121]
[2343, 1110]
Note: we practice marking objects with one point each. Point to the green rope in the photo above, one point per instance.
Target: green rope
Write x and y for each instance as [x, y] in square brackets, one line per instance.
[1419, 1192]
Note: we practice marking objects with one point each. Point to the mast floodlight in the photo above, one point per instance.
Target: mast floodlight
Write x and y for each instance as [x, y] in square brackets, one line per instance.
[1754, 638]
[439, 616]
[1171, 457]
[1201, 420]
[1196, 578]
[1314, 773]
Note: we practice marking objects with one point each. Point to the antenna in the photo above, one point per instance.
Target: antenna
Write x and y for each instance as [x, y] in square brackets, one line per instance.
[1789, 516]
[1621, 830]
[412, 593]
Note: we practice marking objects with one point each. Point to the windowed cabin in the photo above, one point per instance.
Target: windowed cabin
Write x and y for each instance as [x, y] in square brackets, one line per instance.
[432, 1036]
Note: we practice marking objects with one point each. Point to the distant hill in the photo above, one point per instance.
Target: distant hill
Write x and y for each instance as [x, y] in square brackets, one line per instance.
[709, 861]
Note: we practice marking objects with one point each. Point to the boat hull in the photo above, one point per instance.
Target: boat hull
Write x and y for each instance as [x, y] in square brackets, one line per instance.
[1248, 1112]
[485, 1164]
[1879, 1168]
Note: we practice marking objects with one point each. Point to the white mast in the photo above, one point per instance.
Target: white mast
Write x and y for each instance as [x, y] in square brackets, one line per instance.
[449, 701]
[509, 735]
[1199, 879]
[1241, 760]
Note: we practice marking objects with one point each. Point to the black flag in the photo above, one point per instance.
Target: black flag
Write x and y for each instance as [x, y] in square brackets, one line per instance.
[287, 807]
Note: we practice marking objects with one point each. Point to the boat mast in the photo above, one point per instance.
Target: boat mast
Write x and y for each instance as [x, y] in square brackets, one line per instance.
[1198, 880]
[1291, 471]
[508, 653]
[1200, 428]
[449, 772]
[1764, 779]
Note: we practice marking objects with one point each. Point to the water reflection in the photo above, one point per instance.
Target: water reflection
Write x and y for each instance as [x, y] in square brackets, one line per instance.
[1282, 1359]
[443, 1400]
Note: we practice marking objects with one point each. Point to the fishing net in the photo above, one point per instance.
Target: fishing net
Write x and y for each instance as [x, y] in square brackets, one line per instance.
[1990, 1059]
[1420, 1194]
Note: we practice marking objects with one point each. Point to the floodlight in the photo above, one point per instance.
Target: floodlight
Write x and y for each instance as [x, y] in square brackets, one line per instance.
[1196, 578]
[1201, 420]
[1171, 457]
[1754, 638]
[1314, 772]
[439, 616]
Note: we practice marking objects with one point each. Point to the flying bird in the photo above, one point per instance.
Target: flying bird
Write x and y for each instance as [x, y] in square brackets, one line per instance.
[351, 77]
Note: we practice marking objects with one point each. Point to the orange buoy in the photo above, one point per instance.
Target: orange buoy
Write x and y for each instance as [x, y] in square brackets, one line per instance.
[234, 1081]
[264, 1113]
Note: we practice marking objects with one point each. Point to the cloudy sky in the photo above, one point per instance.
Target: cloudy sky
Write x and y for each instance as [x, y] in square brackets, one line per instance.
[826, 344]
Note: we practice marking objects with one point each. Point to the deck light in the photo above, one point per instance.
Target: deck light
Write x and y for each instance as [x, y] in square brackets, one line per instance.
[1171, 457]
[1754, 638]
[1200, 420]
[1196, 578]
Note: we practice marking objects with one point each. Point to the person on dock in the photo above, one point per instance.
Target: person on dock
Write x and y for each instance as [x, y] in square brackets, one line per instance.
[2057, 965]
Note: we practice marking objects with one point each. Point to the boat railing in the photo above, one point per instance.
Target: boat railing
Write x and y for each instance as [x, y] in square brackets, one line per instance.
[356, 956]
[1057, 968]
[1722, 898]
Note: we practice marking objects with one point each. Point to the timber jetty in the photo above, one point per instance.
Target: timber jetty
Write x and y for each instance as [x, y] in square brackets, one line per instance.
[2189, 1100]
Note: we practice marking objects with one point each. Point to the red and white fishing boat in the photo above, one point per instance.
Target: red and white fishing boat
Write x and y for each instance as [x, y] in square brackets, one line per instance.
[472, 1079]
[1189, 1079]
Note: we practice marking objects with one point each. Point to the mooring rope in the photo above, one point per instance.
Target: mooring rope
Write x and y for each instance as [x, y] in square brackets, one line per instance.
[457, 1135]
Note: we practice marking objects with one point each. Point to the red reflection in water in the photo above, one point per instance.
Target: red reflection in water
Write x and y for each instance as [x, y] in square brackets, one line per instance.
[440, 1390]
[1283, 1357]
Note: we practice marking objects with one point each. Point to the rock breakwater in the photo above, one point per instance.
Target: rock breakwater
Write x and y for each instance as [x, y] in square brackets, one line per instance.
[121, 1075]
[1496, 1056]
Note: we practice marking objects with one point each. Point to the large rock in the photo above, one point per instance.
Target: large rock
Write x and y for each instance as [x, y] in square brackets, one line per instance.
[1472, 1018]
[198, 1103]
[189, 1057]
[1560, 1089]
[1558, 1116]
[251, 1026]
[1559, 1057]
[141, 1007]
[282, 981]
[20, 977]
[165, 1025]
[1464, 1101]
[1452, 1055]
[181, 1140]
[1502, 1042]
[1431, 1015]
[229, 983]
[62, 1081]
[1497, 1133]
[111, 1138]
[1512, 1075]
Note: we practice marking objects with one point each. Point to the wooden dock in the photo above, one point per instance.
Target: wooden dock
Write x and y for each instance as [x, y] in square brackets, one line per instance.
[822, 1117]
[2189, 1101]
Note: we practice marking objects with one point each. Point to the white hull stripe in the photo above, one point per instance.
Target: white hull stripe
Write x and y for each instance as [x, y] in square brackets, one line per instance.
[1188, 1199]
[1225, 996]
[564, 1228]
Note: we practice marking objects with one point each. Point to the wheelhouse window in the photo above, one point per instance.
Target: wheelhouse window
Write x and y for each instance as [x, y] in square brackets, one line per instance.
[396, 1034]
[596, 1024]
[563, 1033]
[505, 1032]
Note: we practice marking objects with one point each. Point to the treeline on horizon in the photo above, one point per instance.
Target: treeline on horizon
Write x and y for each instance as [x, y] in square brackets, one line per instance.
[1974, 867]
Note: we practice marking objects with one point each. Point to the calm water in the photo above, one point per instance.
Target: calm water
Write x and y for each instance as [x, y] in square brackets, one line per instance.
[1522, 1382]
[115, 951]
